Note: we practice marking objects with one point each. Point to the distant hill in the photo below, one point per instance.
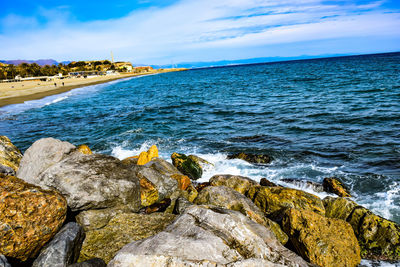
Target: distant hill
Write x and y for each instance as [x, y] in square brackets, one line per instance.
[40, 62]
[193, 65]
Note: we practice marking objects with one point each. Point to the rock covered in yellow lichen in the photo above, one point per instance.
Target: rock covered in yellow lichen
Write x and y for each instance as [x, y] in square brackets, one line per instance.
[84, 149]
[148, 192]
[275, 200]
[323, 241]
[10, 156]
[29, 217]
[146, 157]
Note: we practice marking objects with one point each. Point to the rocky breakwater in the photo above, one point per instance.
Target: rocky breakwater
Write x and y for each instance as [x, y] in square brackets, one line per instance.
[143, 211]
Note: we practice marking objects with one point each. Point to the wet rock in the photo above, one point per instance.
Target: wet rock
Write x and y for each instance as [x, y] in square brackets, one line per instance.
[122, 229]
[275, 200]
[265, 182]
[378, 238]
[10, 156]
[239, 183]
[3, 261]
[92, 182]
[252, 158]
[41, 155]
[317, 187]
[146, 157]
[187, 165]
[156, 181]
[334, 185]
[320, 240]
[204, 164]
[228, 198]
[29, 217]
[84, 149]
[224, 236]
[63, 249]
[95, 262]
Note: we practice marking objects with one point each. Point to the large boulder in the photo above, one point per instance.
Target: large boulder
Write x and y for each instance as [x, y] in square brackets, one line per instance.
[228, 198]
[41, 155]
[334, 185]
[92, 182]
[187, 165]
[212, 236]
[252, 158]
[30, 216]
[378, 238]
[122, 229]
[239, 183]
[64, 249]
[320, 240]
[10, 156]
[274, 200]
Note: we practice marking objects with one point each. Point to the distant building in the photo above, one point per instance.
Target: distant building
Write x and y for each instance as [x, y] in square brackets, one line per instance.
[123, 66]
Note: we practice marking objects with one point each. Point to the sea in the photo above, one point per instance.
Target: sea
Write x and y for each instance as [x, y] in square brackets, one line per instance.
[332, 117]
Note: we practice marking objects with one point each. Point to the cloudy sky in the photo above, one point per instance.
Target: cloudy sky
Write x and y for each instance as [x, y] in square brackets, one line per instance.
[168, 31]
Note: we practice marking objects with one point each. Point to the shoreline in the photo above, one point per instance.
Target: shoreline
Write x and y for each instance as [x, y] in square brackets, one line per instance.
[26, 95]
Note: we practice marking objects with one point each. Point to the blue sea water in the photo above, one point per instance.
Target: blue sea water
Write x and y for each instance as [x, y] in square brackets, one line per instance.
[316, 118]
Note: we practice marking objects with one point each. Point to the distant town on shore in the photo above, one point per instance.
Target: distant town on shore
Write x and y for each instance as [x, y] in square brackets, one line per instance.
[24, 70]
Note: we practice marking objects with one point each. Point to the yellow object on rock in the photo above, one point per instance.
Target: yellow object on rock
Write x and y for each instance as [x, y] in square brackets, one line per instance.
[145, 157]
[84, 149]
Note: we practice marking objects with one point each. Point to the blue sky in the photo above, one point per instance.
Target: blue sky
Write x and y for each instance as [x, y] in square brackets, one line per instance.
[168, 31]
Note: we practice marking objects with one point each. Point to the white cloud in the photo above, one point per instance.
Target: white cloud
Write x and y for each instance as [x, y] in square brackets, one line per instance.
[157, 35]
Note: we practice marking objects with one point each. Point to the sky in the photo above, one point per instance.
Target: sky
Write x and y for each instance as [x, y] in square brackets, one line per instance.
[170, 31]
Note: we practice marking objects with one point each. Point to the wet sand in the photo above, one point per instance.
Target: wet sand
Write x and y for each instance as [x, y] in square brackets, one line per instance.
[19, 92]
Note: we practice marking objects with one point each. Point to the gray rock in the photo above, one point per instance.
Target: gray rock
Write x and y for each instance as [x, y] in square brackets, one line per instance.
[64, 249]
[159, 172]
[3, 261]
[207, 236]
[93, 182]
[41, 155]
[95, 262]
[228, 198]
[121, 230]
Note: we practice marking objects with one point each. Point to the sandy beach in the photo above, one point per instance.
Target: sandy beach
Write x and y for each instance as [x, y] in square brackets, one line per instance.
[18, 92]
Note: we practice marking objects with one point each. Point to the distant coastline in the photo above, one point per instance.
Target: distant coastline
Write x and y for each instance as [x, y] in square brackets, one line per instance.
[34, 93]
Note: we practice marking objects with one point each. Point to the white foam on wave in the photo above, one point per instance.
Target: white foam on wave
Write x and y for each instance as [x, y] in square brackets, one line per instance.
[370, 263]
[57, 100]
[384, 203]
